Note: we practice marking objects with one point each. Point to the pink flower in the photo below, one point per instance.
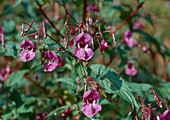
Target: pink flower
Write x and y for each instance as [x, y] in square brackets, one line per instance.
[165, 115]
[131, 70]
[137, 25]
[29, 50]
[93, 7]
[71, 43]
[5, 72]
[127, 39]
[41, 116]
[82, 50]
[54, 61]
[73, 31]
[104, 45]
[91, 107]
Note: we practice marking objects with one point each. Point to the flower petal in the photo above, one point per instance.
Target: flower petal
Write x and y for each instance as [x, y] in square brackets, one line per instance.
[51, 55]
[88, 53]
[165, 115]
[96, 108]
[87, 94]
[131, 42]
[49, 67]
[87, 110]
[71, 43]
[26, 43]
[79, 53]
[61, 62]
[83, 36]
[27, 55]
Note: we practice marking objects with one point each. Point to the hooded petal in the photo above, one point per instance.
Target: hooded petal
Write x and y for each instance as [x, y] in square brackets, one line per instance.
[86, 95]
[71, 43]
[79, 53]
[87, 110]
[26, 43]
[83, 37]
[104, 45]
[49, 67]
[128, 34]
[96, 95]
[88, 53]
[51, 55]
[91, 94]
[137, 25]
[96, 108]
[27, 55]
[61, 62]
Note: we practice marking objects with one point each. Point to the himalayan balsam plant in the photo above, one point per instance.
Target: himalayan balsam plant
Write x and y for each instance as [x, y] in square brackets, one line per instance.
[81, 59]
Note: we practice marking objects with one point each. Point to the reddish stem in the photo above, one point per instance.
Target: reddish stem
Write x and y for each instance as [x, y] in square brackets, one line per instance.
[116, 107]
[44, 88]
[84, 10]
[51, 23]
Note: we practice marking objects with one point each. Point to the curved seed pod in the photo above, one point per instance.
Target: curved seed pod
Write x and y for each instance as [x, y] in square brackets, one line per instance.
[44, 30]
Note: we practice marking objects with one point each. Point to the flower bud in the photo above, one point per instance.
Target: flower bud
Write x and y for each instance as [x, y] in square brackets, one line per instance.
[104, 45]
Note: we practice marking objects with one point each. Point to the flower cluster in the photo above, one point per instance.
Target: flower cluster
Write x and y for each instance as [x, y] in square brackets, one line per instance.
[29, 48]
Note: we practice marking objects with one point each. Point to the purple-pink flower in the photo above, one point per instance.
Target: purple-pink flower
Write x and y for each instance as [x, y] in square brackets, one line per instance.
[54, 61]
[137, 25]
[165, 115]
[128, 39]
[104, 45]
[4, 73]
[91, 107]
[131, 70]
[29, 50]
[82, 50]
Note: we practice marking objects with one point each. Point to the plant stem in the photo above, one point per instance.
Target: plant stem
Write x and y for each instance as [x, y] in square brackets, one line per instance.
[51, 23]
[84, 10]
[44, 88]
[128, 18]
[116, 107]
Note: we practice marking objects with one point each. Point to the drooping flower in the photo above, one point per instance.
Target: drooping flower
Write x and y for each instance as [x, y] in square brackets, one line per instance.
[82, 50]
[104, 45]
[54, 61]
[128, 39]
[131, 70]
[4, 73]
[165, 115]
[137, 25]
[71, 43]
[91, 107]
[29, 50]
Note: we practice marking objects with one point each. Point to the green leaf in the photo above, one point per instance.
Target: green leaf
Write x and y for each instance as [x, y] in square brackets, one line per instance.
[149, 20]
[16, 78]
[169, 69]
[68, 81]
[60, 109]
[111, 82]
[15, 96]
[9, 26]
[103, 101]
[140, 1]
[11, 49]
